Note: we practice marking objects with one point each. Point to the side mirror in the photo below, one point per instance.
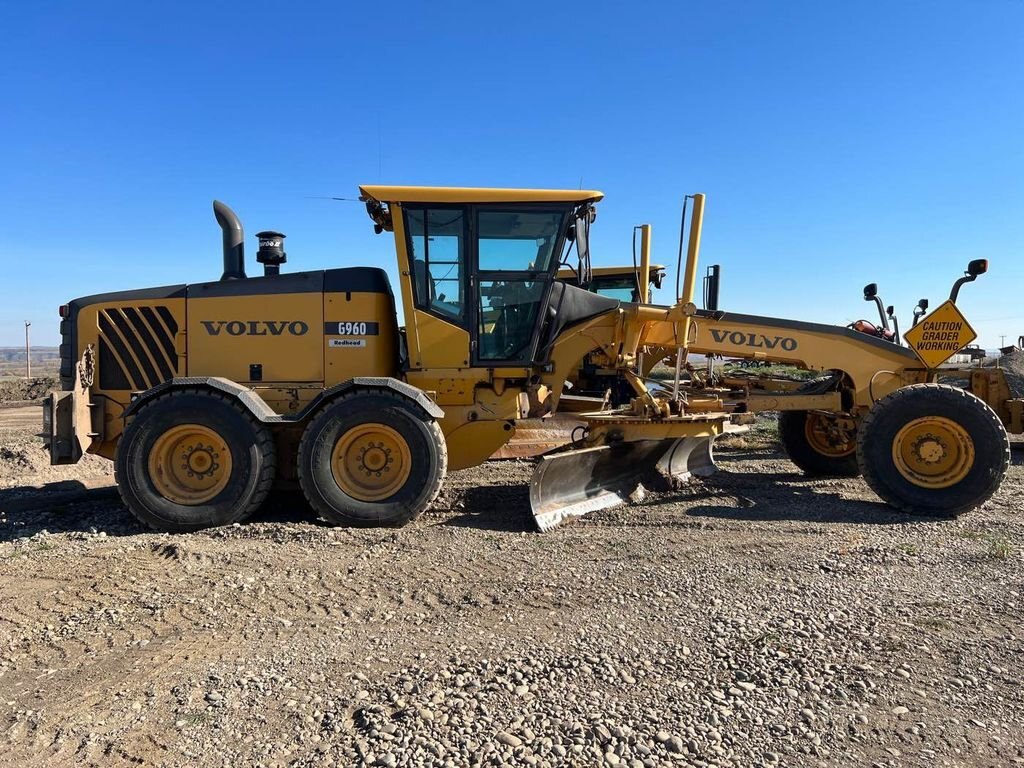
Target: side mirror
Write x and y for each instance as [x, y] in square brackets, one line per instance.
[891, 312]
[871, 294]
[920, 310]
[974, 268]
[977, 267]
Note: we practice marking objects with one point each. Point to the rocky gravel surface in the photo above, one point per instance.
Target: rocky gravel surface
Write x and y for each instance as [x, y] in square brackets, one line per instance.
[755, 619]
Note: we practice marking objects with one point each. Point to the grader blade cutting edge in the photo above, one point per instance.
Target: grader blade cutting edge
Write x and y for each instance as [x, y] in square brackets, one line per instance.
[574, 483]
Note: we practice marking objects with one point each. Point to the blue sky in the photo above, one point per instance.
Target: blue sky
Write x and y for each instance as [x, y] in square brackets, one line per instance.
[838, 143]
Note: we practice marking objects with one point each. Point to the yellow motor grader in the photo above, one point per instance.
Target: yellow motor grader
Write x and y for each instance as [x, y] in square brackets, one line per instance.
[205, 395]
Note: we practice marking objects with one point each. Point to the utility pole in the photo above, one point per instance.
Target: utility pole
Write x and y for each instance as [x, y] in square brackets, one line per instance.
[28, 354]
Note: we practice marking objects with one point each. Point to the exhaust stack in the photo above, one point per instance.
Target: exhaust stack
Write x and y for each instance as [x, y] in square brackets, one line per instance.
[234, 241]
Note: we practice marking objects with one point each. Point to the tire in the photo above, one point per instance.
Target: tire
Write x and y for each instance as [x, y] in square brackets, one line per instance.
[165, 441]
[932, 449]
[802, 442]
[351, 448]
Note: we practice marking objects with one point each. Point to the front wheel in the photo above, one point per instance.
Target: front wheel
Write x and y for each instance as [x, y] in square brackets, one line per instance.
[932, 449]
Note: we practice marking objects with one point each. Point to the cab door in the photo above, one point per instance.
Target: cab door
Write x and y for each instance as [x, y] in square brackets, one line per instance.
[436, 242]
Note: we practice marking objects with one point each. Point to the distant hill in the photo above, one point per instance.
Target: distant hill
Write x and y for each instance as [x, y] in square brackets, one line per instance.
[42, 354]
[45, 361]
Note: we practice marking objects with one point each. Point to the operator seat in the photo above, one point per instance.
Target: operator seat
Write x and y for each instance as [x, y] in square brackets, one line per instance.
[422, 277]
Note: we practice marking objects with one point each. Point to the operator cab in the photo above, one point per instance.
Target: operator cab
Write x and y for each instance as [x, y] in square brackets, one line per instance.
[508, 262]
[483, 260]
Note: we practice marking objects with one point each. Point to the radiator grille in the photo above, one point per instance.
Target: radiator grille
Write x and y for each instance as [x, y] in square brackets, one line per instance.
[136, 347]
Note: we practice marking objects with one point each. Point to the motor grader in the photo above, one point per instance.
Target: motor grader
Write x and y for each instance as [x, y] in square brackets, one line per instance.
[206, 395]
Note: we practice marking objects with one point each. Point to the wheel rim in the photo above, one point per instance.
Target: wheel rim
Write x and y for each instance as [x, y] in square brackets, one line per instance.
[827, 437]
[933, 452]
[190, 464]
[371, 462]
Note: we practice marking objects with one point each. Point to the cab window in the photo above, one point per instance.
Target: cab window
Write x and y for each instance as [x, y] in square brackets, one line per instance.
[507, 315]
[437, 253]
[621, 288]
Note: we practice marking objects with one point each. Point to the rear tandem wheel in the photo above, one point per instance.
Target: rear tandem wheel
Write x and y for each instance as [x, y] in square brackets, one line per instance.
[191, 459]
[933, 449]
[372, 457]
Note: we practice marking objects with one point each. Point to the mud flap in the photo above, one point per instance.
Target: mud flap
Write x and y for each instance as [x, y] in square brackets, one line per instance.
[573, 483]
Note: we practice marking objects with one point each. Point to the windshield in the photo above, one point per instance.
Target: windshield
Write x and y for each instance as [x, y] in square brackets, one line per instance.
[512, 241]
[621, 288]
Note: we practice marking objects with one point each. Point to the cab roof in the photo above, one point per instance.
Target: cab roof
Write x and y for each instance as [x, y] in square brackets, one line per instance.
[388, 194]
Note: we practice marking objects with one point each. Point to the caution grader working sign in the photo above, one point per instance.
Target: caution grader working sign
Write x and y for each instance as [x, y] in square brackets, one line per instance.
[940, 335]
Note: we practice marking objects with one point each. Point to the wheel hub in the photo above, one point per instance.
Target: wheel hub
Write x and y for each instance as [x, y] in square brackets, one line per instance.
[929, 450]
[375, 458]
[200, 461]
[190, 464]
[371, 462]
[830, 436]
[933, 452]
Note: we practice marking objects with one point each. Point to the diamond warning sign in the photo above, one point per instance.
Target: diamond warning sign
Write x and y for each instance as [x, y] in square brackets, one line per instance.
[940, 335]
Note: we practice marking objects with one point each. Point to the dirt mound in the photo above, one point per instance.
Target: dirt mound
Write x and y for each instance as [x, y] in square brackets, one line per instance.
[1013, 364]
[24, 461]
[15, 390]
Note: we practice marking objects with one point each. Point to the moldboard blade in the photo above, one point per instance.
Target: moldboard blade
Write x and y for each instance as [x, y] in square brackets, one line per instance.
[688, 456]
[573, 483]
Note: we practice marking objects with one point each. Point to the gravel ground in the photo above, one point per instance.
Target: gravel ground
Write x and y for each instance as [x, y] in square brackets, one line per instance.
[758, 618]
